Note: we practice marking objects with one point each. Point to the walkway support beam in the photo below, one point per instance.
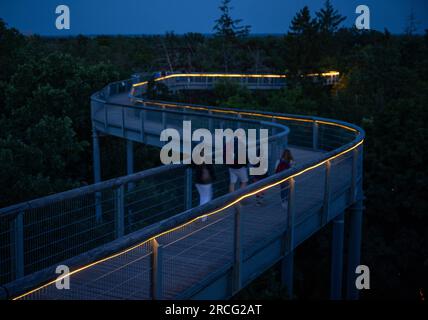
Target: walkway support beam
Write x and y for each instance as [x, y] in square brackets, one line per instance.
[354, 251]
[327, 194]
[129, 157]
[356, 221]
[157, 278]
[337, 257]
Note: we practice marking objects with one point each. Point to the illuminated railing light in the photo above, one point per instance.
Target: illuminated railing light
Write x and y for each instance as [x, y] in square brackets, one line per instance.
[232, 75]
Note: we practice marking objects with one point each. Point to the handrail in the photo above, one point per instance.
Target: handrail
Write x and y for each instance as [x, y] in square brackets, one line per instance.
[39, 202]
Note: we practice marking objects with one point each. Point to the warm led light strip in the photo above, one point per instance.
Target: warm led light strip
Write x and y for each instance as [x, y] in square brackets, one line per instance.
[192, 221]
[170, 105]
[230, 75]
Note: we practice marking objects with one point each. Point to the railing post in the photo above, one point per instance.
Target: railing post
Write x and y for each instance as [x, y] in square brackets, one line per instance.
[156, 270]
[355, 225]
[237, 265]
[274, 128]
[129, 160]
[17, 248]
[123, 121]
[287, 262]
[282, 144]
[188, 190]
[129, 157]
[315, 137]
[119, 221]
[185, 116]
[130, 170]
[327, 193]
[353, 191]
[105, 117]
[143, 120]
[97, 172]
[238, 123]
[163, 118]
[210, 122]
[336, 274]
[96, 155]
[273, 156]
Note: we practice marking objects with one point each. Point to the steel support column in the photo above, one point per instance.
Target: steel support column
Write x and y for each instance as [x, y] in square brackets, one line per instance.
[287, 272]
[315, 138]
[356, 221]
[129, 157]
[354, 251]
[336, 275]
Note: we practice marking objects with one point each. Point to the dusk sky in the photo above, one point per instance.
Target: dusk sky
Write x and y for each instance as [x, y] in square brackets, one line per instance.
[181, 16]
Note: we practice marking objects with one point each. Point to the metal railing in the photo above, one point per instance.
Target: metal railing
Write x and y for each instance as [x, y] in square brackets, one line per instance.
[207, 81]
[232, 234]
[40, 233]
[336, 172]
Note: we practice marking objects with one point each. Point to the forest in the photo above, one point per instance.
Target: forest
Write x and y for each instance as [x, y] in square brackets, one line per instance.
[45, 135]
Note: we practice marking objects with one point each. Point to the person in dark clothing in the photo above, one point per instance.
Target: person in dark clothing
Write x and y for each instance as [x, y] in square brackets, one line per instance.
[204, 178]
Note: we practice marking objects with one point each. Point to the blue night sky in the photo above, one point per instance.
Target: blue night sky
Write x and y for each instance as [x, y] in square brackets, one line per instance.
[181, 16]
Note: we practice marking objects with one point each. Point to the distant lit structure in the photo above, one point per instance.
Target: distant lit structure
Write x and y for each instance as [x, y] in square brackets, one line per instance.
[206, 81]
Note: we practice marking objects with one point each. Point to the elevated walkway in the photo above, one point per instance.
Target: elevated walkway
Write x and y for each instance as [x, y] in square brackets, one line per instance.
[184, 256]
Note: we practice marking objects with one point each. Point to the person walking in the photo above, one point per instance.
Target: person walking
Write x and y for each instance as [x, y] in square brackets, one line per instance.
[204, 178]
[237, 171]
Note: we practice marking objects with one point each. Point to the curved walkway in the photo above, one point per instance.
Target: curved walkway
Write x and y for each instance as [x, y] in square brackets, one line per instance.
[239, 240]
